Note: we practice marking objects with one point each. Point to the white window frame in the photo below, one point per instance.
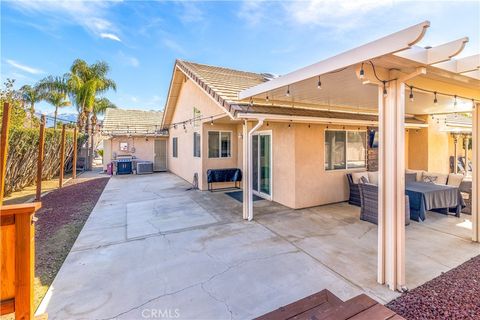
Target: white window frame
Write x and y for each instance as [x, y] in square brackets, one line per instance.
[199, 145]
[197, 120]
[175, 147]
[346, 146]
[220, 143]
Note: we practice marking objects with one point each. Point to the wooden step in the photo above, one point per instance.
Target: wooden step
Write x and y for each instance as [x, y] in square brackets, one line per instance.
[324, 305]
[301, 309]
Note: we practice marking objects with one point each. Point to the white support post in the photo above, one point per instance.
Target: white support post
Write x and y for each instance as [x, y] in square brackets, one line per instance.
[391, 223]
[246, 170]
[476, 174]
[250, 168]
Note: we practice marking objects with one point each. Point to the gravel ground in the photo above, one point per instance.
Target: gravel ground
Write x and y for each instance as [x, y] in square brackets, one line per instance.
[452, 295]
[60, 220]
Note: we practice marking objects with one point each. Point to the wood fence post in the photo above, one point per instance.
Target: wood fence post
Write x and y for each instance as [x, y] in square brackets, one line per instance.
[74, 163]
[41, 151]
[62, 157]
[4, 148]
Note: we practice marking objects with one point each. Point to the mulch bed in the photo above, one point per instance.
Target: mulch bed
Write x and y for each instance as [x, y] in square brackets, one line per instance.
[453, 295]
[60, 220]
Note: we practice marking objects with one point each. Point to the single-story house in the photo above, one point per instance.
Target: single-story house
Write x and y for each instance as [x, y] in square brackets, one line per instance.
[134, 133]
[295, 137]
[299, 162]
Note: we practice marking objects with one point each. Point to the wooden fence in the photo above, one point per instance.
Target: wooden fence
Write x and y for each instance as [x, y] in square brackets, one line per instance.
[17, 222]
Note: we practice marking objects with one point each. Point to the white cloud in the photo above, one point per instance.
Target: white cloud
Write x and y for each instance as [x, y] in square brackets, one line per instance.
[191, 12]
[90, 15]
[174, 46]
[339, 15]
[128, 60]
[252, 12]
[110, 36]
[23, 67]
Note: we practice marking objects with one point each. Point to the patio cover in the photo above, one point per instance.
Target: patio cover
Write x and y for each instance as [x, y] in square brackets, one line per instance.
[377, 77]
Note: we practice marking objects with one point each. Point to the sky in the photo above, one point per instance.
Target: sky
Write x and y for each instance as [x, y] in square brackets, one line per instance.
[140, 40]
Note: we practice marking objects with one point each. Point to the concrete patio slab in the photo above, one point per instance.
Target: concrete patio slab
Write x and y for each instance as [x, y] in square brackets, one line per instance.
[153, 248]
[165, 214]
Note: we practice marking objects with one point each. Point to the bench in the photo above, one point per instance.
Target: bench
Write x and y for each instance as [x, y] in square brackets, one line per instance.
[224, 175]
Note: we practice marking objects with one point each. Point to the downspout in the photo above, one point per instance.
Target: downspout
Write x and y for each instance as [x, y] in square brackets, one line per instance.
[250, 171]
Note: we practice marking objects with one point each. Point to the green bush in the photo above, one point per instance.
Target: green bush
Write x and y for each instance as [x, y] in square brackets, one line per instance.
[23, 154]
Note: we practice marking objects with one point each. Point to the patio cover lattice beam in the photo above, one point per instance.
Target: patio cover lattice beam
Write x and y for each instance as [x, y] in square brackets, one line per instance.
[395, 42]
[432, 55]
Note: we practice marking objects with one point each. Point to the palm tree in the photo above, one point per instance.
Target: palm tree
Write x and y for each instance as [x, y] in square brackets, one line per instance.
[101, 105]
[58, 100]
[84, 83]
[31, 95]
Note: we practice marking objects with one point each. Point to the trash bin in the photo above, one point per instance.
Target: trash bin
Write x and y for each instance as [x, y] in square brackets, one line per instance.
[110, 168]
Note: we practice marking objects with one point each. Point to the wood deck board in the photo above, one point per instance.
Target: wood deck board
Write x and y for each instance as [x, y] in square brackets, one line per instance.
[326, 306]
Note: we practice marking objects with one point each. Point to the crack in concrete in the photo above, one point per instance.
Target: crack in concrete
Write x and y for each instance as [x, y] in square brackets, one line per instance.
[203, 283]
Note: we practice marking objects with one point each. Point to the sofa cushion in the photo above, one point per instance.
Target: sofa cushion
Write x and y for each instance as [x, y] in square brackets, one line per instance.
[428, 178]
[437, 178]
[455, 179]
[419, 173]
[410, 177]
[373, 177]
[356, 176]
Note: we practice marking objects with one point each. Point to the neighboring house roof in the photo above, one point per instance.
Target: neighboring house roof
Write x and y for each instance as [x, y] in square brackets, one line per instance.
[132, 122]
[224, 84]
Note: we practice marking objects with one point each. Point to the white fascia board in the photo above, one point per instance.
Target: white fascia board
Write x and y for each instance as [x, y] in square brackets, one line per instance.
[462, 65]
[392, 43]
[436, 54]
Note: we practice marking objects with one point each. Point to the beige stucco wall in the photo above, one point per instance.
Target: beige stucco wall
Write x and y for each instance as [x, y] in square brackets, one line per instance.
[140, 147]
[186, 165]
[299, 179]
[418, 149]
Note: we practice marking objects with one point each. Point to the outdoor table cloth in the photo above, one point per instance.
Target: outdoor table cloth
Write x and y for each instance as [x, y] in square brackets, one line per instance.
[429, 196]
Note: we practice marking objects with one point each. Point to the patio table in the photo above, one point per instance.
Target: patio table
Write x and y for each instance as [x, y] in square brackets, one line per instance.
[429, 196]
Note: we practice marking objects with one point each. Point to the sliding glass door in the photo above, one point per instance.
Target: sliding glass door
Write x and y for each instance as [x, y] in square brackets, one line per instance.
[262, 164]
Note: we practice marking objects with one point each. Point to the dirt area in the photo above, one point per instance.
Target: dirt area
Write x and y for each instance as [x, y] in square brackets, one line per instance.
[60, 220]
[28, 193]
[452, 295]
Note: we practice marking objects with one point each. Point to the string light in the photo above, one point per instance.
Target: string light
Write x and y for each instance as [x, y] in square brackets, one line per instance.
[385, 93]
[362, 72]
[266, 99]
[435, 100]
[455, 101]
[319, 84]
[184, 126]
[288, 91]
[411, 93]
[211, 122]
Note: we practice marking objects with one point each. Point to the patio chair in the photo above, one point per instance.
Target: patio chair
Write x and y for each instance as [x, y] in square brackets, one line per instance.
[466, 191]
[354, 198]
[369, 204]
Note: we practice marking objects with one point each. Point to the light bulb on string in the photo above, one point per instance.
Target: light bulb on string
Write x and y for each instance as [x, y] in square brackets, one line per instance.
[411, 93]
[319, 83]
[211, 122]
[455, 101]
[266, 98]
[362, 72]
[435, 100]
[385, 93]
[288, 92]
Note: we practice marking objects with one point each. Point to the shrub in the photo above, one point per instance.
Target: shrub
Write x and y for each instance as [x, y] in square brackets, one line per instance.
[23, 154]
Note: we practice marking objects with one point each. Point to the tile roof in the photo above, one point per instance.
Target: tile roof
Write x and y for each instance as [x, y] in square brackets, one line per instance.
[121, 121]
[224, 82]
